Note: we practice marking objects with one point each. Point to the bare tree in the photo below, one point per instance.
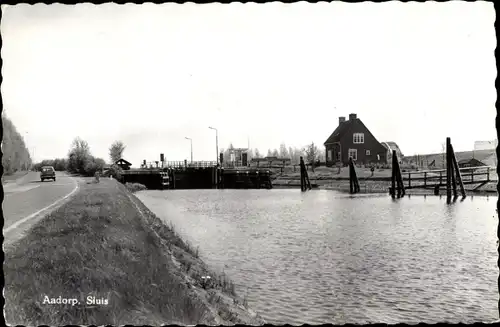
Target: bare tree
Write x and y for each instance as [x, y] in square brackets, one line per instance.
[443, 149]
[283, 151]
[116, 151]
[257, 153]
[312, 154]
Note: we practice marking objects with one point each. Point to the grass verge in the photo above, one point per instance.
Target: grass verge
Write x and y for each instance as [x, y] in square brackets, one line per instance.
[117, 263]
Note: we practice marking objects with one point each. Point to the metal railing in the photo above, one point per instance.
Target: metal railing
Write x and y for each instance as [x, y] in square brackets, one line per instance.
[178, 164]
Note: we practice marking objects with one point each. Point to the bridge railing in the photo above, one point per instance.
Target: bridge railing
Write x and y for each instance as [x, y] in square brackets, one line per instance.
[179, 164]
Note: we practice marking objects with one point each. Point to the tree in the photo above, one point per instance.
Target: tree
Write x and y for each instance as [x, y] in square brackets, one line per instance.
[284, 151]
[312, 153]
[275, 153]
[116, 151]
[79, 156]
[269, 153]
[15, 154]
[257, 153]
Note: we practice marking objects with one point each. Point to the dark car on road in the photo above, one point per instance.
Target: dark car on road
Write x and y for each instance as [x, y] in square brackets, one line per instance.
[47, 172]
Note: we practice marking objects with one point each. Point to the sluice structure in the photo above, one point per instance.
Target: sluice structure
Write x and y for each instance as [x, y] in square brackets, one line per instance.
[197, 175]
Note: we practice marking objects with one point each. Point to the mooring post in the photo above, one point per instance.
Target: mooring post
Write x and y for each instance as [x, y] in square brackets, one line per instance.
[448, 170]
[393, 177]
[457, 172]
[302, 175]
[453, 180]
[351, 178]
[398, 172]
[400, 179]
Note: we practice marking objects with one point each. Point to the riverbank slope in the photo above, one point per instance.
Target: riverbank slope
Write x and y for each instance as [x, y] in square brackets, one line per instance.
[115, 263]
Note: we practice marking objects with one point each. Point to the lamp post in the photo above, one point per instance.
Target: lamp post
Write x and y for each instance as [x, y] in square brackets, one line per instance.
[217, 155]
[187, 138]
[216, 143]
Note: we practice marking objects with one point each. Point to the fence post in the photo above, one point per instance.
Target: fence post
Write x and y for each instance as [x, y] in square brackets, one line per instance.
[409, 180]
[425, 179]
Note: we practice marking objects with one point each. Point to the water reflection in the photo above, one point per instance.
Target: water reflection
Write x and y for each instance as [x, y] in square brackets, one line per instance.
[324, 257]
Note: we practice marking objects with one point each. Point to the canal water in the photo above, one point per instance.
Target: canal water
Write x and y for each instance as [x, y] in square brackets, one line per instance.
[326, 257]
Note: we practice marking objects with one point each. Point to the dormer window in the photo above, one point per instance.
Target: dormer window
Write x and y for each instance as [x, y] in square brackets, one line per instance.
[358, 138]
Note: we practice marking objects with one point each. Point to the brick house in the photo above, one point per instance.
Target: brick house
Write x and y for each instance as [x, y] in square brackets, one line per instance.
[351, 138]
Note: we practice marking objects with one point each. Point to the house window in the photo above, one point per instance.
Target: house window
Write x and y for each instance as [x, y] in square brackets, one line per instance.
[353, 153]
[367, 152]
[358, 138]
[329, 155]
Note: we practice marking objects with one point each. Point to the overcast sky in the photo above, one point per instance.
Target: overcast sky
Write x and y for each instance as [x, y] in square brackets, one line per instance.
[151, 75]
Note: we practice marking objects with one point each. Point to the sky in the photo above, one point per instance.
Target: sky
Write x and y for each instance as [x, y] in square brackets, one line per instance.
[152, 75]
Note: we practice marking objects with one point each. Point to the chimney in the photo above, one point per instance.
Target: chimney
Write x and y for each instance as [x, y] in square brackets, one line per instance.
[352, 116]
[341, 120]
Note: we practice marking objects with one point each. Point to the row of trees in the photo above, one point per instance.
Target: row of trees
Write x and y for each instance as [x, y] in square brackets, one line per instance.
[309, 152]
[16, 156]
[81, 161]
[58, 164]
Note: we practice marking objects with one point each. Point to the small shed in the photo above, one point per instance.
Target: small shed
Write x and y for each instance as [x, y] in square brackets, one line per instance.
[466, 163]
[123, 164]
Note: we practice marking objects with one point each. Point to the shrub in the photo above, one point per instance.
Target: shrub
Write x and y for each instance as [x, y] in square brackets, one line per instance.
[135, 187]
[93, 165]
[115, 171]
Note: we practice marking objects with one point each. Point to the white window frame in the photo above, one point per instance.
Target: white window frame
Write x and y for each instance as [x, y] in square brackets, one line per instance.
[358, 138]
[330, 155]
[353, 151]
[368, 153]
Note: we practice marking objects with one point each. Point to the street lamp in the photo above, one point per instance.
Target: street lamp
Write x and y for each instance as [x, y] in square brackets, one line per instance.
[217, 156]
[187, 138]
[216, 143]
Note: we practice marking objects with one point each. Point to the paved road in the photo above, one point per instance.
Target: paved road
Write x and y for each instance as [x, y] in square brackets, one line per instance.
[28, 197]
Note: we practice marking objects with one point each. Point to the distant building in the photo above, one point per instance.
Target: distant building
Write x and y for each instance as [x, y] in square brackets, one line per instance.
[351, 139]
[485, 145]
[390, 146]
[123, 164]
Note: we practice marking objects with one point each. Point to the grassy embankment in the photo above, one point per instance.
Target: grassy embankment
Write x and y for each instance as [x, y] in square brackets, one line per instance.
[6, 178]
[330, 178]
[106, 243]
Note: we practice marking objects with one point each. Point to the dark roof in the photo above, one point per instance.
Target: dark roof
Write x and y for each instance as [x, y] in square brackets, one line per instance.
[339, 132]
[122, 161]
[345, 127]
[470, 160]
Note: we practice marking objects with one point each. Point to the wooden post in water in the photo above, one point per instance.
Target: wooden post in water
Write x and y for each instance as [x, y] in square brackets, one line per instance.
[401, 187]
[304, 178]
[458, 174]
[448, 170]
[393, 177]
[353, 178]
